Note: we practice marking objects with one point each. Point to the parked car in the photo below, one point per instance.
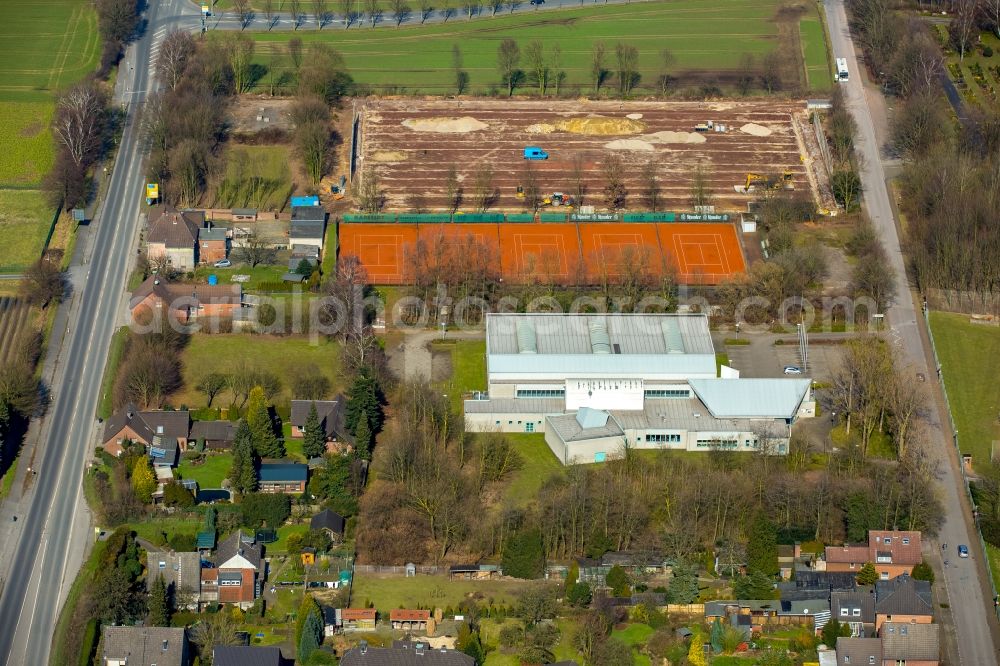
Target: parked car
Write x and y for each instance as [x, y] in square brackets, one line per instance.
[223, 263]
[538, 2]
[793, 370]
[963, 550]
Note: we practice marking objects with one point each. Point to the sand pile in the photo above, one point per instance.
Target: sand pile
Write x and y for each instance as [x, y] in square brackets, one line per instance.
[674, 137]
[755, 130]
[593, 126]
[445, 125]
[634, 116]
[388, 156]
[629, 144]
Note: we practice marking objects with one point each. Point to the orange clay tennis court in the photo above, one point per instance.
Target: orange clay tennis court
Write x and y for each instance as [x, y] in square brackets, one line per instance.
[699, 253]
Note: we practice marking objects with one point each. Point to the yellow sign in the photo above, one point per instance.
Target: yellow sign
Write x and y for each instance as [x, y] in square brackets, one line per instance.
[153, 191]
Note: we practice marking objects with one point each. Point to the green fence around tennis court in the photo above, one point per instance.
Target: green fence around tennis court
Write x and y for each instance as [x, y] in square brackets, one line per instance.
[493, 218]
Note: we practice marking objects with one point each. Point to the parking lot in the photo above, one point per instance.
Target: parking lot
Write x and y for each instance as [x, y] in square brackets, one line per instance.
[763, 358]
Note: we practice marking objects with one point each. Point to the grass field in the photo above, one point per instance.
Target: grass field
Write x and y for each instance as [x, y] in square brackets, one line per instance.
[285, 356]
[106, 405]
[814, 49]
[25, 141]
[539, 464]
[972, 388]
[468, 368]
[24, 224]
[266, 165]
[704, 36]
[436, 591]
[210, 473]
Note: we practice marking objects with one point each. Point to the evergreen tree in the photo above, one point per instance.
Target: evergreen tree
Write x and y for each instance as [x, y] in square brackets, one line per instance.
[923, 571]
[867, 575]
[833, 630]
[524, 555]
[363, 399]
[579, 595]
[312, 635]
[306, 608]
[683, 586]
[572, 576]
[619, 582]
[473, 646]
[363, 440]
[265, 442]
[158, 604]
[243, 474]
[762, 547]
[143, 480]
[696, 653]
[314, 442]
[716, 636]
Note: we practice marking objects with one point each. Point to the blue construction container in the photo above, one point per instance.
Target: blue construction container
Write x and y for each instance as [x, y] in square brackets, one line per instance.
[312, 200]
[213, 280]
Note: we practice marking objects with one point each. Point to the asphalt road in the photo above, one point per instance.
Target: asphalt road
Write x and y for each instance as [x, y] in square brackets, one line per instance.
[963, 579]
[49, 548]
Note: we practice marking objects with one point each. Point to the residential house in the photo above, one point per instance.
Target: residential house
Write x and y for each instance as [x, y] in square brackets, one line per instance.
[859, 652]
[173, 235]
[144, 646]
[185, 303]
[809, 583]
[404, 653]
[246, 655]
[129, 424]
[238, 573]
[181, 572]
[910, 644]
[282, 477]
[903, 599]
[328, 411]
[216, 434]
[330, 522]
[163, 452]
[594, 571]
[405, 619]
[787, 557]
[809, 612]
[213, 243]
[348, 619]
[308, 227]
[893, 552]
[855, 608]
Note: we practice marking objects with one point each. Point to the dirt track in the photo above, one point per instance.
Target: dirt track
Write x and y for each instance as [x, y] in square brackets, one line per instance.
[412, 159]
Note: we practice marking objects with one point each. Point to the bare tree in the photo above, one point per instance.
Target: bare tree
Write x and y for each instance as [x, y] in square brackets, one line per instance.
[346, 11]
[43, 282]
[485, 193]
[244, 12]
[530, 188]
[268, 7]
[461, 76]
[295, 7]
[614, 189]
[555, 64]
[400, 11]
[254, 249]
[188, 164]
[535, 53]
[701, 188]
[79, 122]
[651, 184]
[745, 74]
[312, 139]
[578, 171]
[177, 48]
[508, 58]
[295, 52]
[598, 70]
[426, 9]
[770, 75]
[374, 11]
[962, 28]
[627, 57]
[371, 198]
[667, 62]
[239, 51]
[320, 12]
[453, 189]
[346, 287]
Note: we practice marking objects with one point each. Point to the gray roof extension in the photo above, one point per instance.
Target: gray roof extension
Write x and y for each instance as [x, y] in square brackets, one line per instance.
[243, 655]
[181, 570]
[911, 642]
[405, 654]
[569, 429]
[859, 651]
[752, 398]
[861, 600]
[903, 595]
[145, 646]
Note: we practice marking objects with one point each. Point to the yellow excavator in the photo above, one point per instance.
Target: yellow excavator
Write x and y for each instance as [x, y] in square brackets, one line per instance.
[756, 181]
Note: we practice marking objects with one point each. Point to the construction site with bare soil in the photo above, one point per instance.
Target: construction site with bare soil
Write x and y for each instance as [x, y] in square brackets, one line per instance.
[734, 150]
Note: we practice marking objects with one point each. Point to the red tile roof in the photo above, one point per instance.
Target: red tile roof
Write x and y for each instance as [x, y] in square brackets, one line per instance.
[902, 547]
[354, 614]
[406, 615]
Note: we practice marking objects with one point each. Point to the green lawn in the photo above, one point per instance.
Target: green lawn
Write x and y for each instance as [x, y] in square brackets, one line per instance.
[993, 557]
[435, 591]
[285, 356]
[262, 273]
[971, 383]
[285, 531]
[814, 49]
[25, 219]
[210, 473]
[26, 150]
[703, 35]
[265, 166]
[106, 405]
[329, 264]
[468, 368]
[634, 634]
[539, 464]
